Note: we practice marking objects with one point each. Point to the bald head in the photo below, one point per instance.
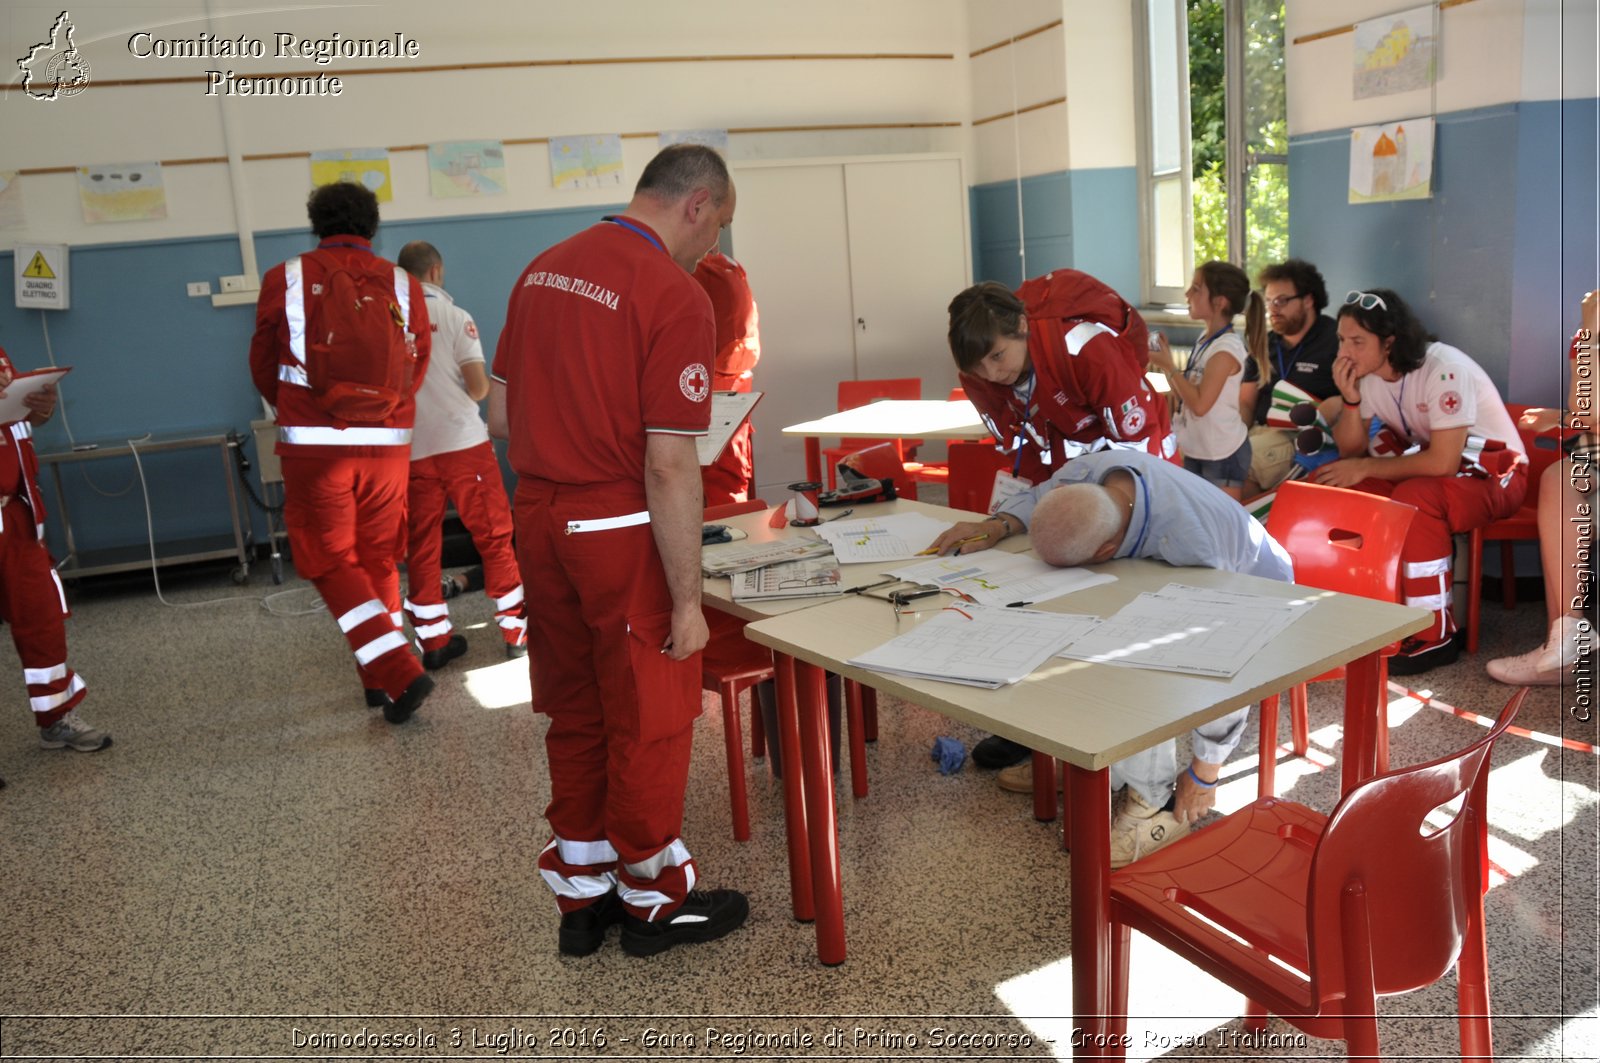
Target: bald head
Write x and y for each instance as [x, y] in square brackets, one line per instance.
[1076, 524]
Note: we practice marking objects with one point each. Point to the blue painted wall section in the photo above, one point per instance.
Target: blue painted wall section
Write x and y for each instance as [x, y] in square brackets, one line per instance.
[1496, 261]
[147, 358]
[1078, 219]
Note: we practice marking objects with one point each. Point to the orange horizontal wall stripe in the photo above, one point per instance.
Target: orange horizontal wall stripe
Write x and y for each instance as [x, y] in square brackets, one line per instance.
[1021, 110]
[1337, 30]
[1013, 40]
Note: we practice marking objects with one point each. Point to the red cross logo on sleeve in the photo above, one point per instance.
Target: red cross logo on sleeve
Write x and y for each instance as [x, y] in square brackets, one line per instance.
[1450, 402]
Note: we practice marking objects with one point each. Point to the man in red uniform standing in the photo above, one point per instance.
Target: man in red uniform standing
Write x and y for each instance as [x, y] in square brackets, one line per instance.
[731, 478]
[345, 481]
[31, 599]
[601, 382]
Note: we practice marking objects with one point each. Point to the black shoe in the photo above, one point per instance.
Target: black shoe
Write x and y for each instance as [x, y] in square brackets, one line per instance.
[433, 660]
[376, 699]
[997, 752]
[583, 930]
[400, 710]
[705, 915]
[1415, 658]
[516, 652]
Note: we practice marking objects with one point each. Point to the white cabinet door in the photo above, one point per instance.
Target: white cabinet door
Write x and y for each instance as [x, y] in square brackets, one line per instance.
[827, 243]
[908, 259]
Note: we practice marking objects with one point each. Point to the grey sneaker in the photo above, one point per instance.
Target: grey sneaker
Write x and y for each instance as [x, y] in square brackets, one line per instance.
[69, 732]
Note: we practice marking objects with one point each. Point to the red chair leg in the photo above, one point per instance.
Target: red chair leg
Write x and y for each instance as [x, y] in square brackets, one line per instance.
[1381, 745]
[758, 727]
[734, 742]
[1299, 720]
[854, 694]
[1267, 772]
[1474, 586]
[869, 714]
[1121, 942]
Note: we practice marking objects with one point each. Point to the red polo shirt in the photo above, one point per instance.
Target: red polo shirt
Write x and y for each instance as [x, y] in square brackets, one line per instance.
[606, 339]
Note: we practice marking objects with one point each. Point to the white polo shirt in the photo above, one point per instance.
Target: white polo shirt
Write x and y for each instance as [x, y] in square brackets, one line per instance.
[447, 417]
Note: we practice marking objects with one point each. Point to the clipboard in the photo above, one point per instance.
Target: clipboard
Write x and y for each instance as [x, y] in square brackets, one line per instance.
[729, 410]
[24, 384]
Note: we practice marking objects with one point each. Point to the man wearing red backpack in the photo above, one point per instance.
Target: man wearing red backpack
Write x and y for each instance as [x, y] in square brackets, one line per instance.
[340, 348]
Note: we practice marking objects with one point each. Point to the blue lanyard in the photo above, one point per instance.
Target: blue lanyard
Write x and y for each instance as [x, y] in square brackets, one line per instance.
[626, 224]
[1277, 349]
[1194, 358]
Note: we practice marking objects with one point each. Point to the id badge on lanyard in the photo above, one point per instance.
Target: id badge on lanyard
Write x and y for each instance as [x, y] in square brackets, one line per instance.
[1006, 485]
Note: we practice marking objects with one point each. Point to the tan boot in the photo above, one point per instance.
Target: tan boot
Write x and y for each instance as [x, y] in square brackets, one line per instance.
[1140, 830]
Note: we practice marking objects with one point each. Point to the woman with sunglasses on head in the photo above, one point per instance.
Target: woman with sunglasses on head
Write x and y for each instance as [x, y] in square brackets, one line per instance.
[1447, 447]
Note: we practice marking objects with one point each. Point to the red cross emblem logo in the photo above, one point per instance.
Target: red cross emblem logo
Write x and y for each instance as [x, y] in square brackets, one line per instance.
[695, 383]
[1450, 402]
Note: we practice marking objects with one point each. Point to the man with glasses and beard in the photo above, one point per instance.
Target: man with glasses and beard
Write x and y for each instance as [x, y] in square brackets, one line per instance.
[1301, 348]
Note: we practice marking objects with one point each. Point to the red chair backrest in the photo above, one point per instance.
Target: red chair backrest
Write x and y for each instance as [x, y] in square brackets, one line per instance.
[1544, 448]
[733, 509]
[1385, 882]
[956, 395]
[1341, 540]
[971, 480]
[854, 393]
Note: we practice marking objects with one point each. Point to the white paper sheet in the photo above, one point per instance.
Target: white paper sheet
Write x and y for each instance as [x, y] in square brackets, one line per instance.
[1188, 629]
[816, 577]
[729, 410]
[978, 645]
[893, 538]
[25, 384]
[994, 578]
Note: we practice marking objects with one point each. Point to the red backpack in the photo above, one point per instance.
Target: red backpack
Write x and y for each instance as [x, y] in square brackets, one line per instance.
[360, 357]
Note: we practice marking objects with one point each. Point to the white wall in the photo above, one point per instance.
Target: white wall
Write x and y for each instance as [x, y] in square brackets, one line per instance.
[1479, 54]
[110, 124]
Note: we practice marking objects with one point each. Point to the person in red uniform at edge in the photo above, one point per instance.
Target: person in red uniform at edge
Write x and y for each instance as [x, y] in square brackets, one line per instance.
[344, 484]
[601, 382]
[32, 602]
[1447, 446]
[731, 478]
[1057, 368]
[452, 460]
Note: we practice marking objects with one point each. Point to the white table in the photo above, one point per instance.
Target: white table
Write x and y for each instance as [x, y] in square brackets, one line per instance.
[890, 419]
[1088, 715]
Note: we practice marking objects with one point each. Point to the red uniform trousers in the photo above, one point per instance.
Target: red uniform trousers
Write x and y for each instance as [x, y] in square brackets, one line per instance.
[34, 605]
[471, 479]
[346, 519]
[730, 477]
[1445, 505]
[621, 712]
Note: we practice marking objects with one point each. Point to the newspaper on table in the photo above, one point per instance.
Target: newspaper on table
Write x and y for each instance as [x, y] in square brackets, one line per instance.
[891, 538]
[991, 577]
[726, 559]
[1188, 629]
[816, 577]
[977, 645]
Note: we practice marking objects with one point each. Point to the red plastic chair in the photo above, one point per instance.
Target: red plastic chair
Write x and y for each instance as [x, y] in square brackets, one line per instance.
[881, 461]
[1372, 901]
[855, 393]
[1544, 450]
[972, 469]
[1340, 540]
[937, 472]
[730, 665]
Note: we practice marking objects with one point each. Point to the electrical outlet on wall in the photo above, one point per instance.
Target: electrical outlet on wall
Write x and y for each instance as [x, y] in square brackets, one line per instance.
[198, 288]
[234, 283]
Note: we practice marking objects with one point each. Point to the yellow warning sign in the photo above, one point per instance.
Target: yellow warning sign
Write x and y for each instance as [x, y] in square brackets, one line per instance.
[39, 268]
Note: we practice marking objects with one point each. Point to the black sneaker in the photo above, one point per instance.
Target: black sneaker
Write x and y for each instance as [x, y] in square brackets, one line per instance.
[376, 698]
[448, 587]
[433, 660]
[997, 752]
[400, 710]
[583, 930]
[705, 915]
[1415, 658]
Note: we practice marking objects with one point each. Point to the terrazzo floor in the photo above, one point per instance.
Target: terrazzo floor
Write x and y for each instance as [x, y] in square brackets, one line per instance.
[261, 867]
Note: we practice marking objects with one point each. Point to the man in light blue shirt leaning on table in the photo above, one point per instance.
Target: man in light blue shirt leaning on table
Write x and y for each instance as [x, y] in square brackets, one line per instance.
[1125, 503]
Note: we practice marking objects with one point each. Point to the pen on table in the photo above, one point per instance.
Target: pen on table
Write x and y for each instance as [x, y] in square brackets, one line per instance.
[840, 516]
[1018, 605]
[958, 544]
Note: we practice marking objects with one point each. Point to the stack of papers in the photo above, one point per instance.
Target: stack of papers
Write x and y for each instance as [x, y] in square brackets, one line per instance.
[978, 645]
[814, 578]
[893, 538]
[993, 578]
[1188, 629]
[725, 559]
